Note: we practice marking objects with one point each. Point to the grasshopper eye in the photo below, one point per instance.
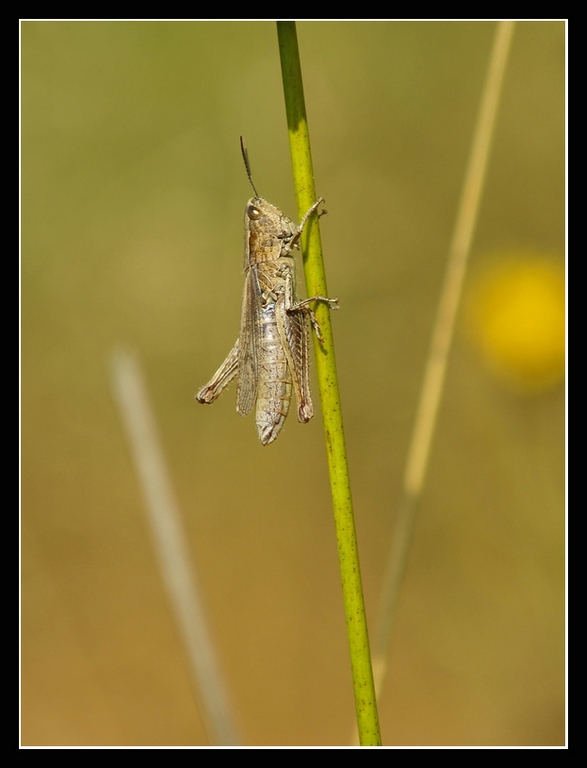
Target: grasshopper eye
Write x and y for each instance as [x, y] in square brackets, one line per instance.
[253, 212]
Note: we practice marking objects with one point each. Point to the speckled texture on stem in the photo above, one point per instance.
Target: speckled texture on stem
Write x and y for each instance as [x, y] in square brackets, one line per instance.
[365, 701]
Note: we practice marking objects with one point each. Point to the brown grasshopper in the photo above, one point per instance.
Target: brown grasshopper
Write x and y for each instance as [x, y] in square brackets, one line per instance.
[271, 353]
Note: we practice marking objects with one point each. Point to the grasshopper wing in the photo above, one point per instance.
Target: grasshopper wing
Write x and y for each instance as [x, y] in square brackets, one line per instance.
[248, 355]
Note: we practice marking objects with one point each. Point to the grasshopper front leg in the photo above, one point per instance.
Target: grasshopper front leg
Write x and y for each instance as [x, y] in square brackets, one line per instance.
[294, 242]
[221, 379]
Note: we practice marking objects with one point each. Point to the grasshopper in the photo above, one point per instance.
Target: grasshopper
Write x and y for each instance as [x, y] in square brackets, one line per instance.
[270, 356]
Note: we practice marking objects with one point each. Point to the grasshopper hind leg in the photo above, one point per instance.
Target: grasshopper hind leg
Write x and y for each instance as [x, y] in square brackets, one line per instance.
[221, 379]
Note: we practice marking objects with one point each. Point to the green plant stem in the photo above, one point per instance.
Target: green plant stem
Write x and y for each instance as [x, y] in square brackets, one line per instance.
[365, 702]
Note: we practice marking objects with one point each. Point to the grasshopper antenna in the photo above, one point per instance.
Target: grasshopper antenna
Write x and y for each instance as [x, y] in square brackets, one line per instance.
[247, 166]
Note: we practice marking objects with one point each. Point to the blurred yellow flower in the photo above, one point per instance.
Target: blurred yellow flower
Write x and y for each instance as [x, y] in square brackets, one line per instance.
[515, 314]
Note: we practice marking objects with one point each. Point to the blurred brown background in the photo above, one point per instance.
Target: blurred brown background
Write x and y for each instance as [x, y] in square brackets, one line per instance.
[133, 191]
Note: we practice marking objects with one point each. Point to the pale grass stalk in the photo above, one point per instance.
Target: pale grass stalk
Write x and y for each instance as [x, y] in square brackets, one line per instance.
[171, 546]
[442, 336]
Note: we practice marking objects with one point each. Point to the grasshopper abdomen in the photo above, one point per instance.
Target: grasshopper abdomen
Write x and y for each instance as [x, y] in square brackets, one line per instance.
[274, 386]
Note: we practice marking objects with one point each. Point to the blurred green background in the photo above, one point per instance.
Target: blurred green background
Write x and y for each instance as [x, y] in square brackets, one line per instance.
[133, 192]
